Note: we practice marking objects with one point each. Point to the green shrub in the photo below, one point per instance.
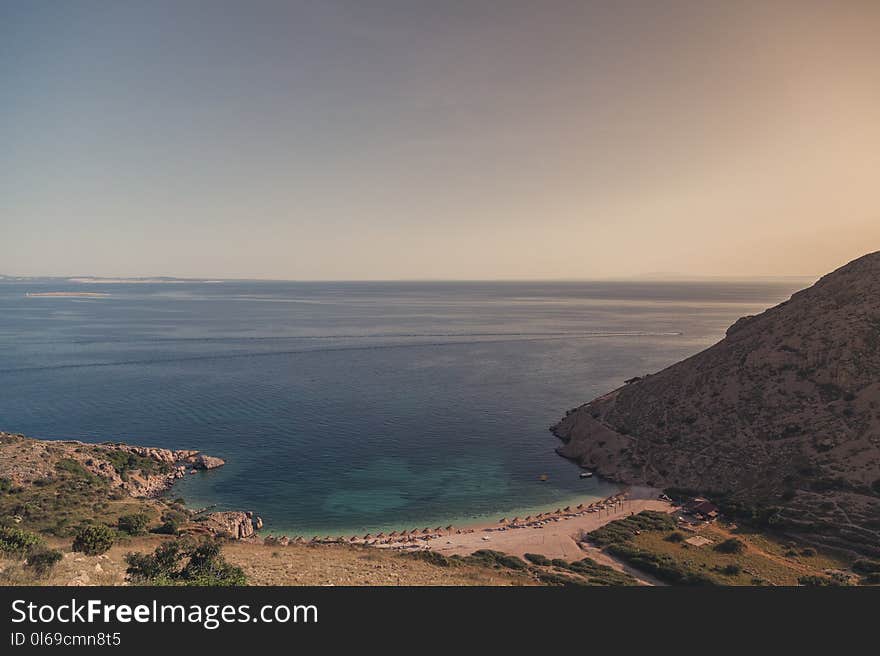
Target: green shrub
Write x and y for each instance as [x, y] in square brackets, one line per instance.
[661, 566]
[512, 562]
[17, 543]
[489, 557]
[817, 581]
[74, 468]
[168, 527]
[731, 546]
[809, 552]
[43, 560]
[125, 463]
[147, 568]
[433, 558]
[537, 559]
[135, 524]
[731, 570]
[623, 530]
[172, 520]
[675, 536]
[551, 578]
[597, 574]
[94, 540]
[181, 563]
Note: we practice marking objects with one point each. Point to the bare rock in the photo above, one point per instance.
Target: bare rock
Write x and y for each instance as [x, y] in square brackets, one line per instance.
[201, 461]
[234, 524]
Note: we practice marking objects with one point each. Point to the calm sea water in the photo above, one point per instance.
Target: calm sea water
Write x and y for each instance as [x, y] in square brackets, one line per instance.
[346, 407]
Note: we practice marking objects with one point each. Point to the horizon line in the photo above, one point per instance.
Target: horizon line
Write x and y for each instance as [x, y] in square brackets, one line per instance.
[159, 279]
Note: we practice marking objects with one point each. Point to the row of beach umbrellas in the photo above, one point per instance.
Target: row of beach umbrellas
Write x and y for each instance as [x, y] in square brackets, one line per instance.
[428, 531]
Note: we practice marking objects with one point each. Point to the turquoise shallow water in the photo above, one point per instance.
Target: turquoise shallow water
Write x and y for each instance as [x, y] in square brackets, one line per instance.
[346, 407]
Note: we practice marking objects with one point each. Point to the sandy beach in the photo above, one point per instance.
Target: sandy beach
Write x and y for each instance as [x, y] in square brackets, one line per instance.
[552, 534]
[555, 535]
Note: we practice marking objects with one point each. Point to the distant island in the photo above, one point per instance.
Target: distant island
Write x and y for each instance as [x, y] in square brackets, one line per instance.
[98, 280]
[67, 294]
[88, 280]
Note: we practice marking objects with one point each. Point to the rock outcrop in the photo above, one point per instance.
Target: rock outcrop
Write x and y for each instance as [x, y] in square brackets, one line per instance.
[201, 461]
[234, 524]
[781, 418]
[138, 471]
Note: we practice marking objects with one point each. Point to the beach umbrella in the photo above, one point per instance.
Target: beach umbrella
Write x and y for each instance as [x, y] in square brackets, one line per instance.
[426, 530]
[580, 505]
[381, 535]
[439, 528]
[367, 536]
[502, 520]
[449, 528]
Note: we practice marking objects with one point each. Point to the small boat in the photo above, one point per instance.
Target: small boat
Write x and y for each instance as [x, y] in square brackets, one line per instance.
[586, 474]
[543, 478]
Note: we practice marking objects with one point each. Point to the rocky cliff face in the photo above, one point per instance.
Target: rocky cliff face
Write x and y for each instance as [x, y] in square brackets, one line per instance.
[782, 416]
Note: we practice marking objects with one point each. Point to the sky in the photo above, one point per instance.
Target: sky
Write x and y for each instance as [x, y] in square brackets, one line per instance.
[438, 140]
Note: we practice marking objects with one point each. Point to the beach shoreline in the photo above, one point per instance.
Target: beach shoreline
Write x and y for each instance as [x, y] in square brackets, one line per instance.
[554, 534]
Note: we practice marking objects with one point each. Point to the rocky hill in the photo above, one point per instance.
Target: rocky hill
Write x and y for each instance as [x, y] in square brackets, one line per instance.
[779, 420]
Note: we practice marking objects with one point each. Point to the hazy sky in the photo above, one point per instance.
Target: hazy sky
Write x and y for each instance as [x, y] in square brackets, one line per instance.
[438, 139]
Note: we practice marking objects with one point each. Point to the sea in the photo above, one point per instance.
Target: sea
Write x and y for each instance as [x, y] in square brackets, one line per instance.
[346, 407]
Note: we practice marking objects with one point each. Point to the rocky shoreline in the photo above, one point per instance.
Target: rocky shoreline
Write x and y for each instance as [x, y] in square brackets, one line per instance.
[137, 471]
[109, 460]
